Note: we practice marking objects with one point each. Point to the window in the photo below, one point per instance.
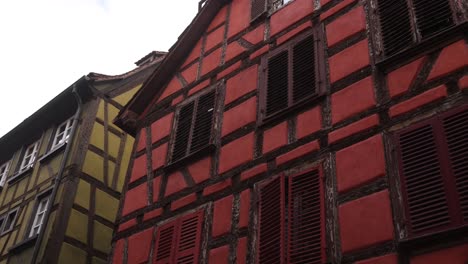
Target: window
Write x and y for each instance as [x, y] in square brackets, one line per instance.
[291, 76]
[179, 241]
[260, 8]
[433, 171]
[62, 133]
[7, 222]
[194, 130]
[404, 23]
[29, 156]
[39, 216]
[291, 220]
[3, 173]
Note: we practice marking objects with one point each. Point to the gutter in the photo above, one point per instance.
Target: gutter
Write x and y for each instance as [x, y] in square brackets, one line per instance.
[58, 179]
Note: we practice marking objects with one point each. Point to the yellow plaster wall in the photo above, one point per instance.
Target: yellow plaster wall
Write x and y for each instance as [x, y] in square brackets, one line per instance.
[94, 166]
[71, 254]
[114, 145]
[97, 136]
[84, 191]
[125, 97]
[106, 205]
[102, 237]
[77, 226]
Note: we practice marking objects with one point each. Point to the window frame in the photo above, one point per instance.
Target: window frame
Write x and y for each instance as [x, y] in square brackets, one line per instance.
[46, 196]
[56, 142]
[5, 220]
[4, 175]
[320, 75]
[31, 156]
[420, 45]
[285, 210]
[214, 130]
[265, 7]
[447, 176]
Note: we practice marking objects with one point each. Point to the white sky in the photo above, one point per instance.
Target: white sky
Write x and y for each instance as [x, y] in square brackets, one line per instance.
[46, 45]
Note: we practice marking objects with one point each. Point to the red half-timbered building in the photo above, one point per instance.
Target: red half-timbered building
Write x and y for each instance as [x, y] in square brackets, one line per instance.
[303, 131]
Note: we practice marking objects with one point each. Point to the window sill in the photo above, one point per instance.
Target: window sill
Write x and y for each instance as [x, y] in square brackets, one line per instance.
[205, 151]
[289, 111]
[19, 175]
[416, 244]
[52, 153]
[426, 46]
[23, 245]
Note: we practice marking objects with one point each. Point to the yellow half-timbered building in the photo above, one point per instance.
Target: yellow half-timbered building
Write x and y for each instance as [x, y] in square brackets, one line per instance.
[62, 171]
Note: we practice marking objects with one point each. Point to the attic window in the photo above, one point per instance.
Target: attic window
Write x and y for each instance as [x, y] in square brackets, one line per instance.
[406, 23]
[62, 133]
[3, 173]
[259, 8]
[194, 131]
[433, 173]
[291, 76]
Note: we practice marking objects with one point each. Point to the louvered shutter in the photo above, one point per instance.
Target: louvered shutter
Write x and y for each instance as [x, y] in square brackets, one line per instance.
[306, 225]
[277, 83]
[271, 227]
[432, 16]
[427, 206]
[182, 137]
[189, 237]
[258, 9]
[165, 244]
[456, 131]
[201, 134]
[304, 74]
[395, 25]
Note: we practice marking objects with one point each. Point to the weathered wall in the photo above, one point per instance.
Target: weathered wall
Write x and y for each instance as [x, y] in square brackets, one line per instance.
[348, 132]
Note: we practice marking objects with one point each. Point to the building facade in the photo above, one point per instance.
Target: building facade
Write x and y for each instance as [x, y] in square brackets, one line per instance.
[303, 132]
[62, 172]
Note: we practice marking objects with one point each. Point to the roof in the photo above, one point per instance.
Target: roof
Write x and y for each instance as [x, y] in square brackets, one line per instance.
[146, 62]
[56, 110]
[131, 113]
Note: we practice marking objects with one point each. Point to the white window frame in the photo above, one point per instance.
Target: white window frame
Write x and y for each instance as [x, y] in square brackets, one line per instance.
[4, 172]
[29, 156]
[5, 228]
[39, 216]
[61, 136]
[277, 4]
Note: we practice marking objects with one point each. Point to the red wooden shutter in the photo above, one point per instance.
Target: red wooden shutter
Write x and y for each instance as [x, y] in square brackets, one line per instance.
[304, 78]
[432, 16]
[258, 9]
[395, 25]
[427, 207]
[165, 243]
[306, 226]
[271, 222]
[277, 83]
[456, 131]
[182, 137]
[201, 134]
[189, 237]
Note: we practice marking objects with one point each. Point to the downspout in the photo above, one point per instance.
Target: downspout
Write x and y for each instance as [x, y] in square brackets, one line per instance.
[58, 179]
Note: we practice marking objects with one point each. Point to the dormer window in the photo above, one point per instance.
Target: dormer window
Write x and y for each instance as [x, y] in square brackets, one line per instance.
[3, 173]
[29, 156]
[62, 133]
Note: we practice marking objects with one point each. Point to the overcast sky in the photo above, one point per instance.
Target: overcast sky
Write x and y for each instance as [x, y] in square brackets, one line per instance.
[47, 45]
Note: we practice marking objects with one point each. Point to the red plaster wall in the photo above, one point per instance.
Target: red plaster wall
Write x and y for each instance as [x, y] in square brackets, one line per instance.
[345, 124]
[454, 255]
[366, 222]
[360, 163]
[222, 216]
